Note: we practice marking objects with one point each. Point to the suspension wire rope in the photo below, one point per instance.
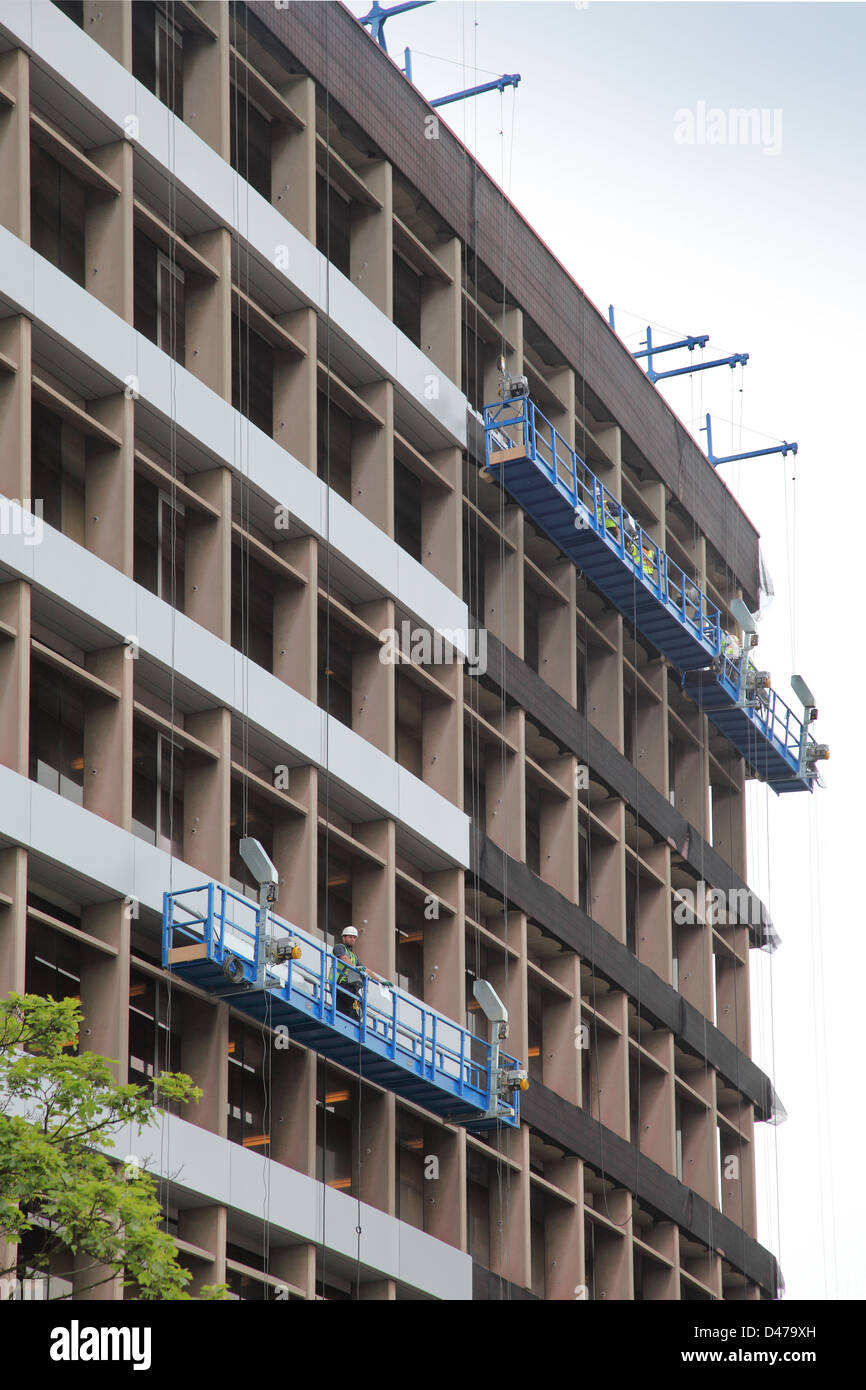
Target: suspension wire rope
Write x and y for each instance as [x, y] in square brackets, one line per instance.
[322, 1081]
[165, 1142]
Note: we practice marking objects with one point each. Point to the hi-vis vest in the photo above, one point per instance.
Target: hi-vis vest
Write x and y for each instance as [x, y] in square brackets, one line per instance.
[345, 964]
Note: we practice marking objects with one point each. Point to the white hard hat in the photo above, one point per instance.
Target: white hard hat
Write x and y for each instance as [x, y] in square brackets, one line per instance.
[349, 931]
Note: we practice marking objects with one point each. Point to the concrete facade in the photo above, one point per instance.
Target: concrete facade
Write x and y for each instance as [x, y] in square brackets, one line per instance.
[241, 357]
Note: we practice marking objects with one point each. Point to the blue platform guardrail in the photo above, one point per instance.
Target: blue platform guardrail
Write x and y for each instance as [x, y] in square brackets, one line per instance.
[210, 937]
[562, 495]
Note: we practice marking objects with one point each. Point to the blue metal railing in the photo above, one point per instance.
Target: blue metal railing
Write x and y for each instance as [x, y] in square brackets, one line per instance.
[519, 424]
[517, 427]
[387, 1022]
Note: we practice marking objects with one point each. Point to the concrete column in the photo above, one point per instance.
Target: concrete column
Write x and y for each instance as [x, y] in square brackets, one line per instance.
[563, 1232]
[442, 312]
[13, 919]
[205, 1057]
[15, 406]
[109, 486]
[108, 738]
[205, 1227]
[604, 680]
[15, 677]
[297, 1265]
[207, 796]
[657, 1113]
[207, 314]
[373, 459]
[442, 520]
[557, 654]
[374, 900]
[606, 902]
[612, 1062]
[558, 826]
[373, 682]
[371, 252]
[208, 555]
[506, 794]
[15, 144]
[503, 585]
[560, 1039]
[296, 390]
[108, 230]
[293, 159]
[104, 985]
[445, 1195]
[729, 821]
[444, 946]
[296, 849]
[110, 25]
[442, 736]
[614, 1269]
[510, 1248]
[377, 1119]
[206, 85]
[293, 1125]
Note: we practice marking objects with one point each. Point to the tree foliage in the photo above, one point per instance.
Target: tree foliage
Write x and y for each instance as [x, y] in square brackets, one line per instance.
[56, 1106]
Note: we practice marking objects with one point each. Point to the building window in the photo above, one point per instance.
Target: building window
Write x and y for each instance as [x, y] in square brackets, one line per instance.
[472, 375]
[407, 300]
[52, 962]
[73, 9]
[335, 1123]
[475, 779]
[407, 510]
[583, 867]
[335, 669]
[157, 789]
[252, 608]
[56, 734]
[159, 543]
[473, 568]
[249, 816]
[536, 1236]
[334, 447]
[246, 1102]
[333, 224]
[410, 945]
[410, 1169]
[631, 910]
[159, 291]
[581, 677]
[534, 1036]
[533, 826]
[478, 1207]
[628, 721]
[409, 717]
[531, 610]
[334, 889]
[57, 214]
[154, 1029]
[252, 375]
[250, 142]
[157, 54]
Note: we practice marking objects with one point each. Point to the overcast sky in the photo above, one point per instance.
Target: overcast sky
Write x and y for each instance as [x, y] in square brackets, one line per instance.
[759, 244]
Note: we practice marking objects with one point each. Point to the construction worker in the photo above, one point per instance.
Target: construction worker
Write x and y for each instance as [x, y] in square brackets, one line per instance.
[350, 974]
[649, 559]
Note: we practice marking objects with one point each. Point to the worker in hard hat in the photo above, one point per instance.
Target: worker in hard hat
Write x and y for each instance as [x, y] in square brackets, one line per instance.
[649, 559]
[350, 974]
[731, 648]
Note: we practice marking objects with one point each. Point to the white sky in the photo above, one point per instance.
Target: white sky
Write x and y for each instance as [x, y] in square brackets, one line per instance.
[764, 252]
